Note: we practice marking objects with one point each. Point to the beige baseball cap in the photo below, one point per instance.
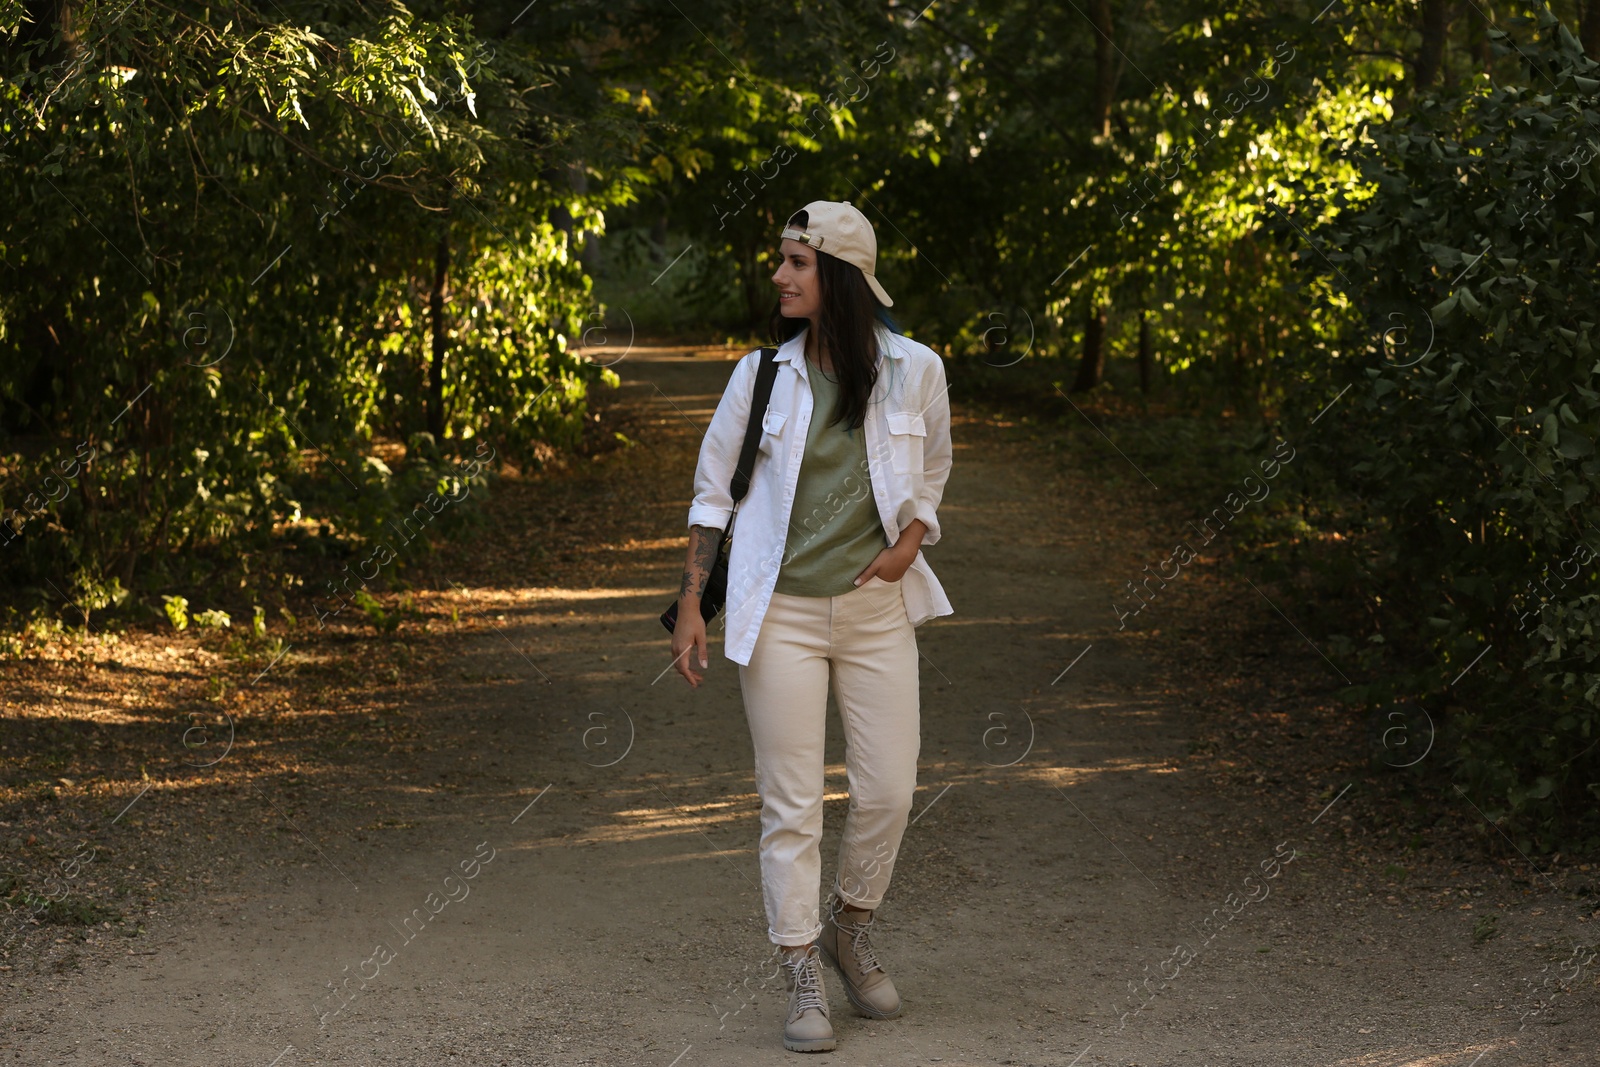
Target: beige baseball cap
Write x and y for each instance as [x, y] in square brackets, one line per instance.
[843, 232]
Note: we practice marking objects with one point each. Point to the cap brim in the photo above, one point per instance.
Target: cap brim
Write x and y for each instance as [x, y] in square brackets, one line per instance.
[877, 290]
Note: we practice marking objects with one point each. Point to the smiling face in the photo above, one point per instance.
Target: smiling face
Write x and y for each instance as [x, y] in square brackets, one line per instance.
[799, 287]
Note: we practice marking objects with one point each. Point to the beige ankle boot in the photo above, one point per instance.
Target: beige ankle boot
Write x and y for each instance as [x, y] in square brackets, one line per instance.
[844, 941]
[807, 1028]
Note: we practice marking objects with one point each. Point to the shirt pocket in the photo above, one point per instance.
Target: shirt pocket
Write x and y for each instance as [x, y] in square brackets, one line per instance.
[906, 433]
[771, 427]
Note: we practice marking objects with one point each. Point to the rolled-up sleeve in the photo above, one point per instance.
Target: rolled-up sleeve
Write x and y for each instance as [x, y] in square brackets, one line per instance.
[719, 450]
[937, 450]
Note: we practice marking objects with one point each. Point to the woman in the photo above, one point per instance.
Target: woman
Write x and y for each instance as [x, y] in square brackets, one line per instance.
[825, 570]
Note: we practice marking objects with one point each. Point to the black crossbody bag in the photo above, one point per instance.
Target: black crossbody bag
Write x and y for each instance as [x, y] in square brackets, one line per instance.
[716, 591]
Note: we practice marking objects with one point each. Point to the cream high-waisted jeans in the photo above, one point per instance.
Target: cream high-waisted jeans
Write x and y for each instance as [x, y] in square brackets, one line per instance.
[866, 638]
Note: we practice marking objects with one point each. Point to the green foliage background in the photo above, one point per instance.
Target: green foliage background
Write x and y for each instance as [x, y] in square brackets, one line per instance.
[1467, 443]
[224, 237]
[271, 271]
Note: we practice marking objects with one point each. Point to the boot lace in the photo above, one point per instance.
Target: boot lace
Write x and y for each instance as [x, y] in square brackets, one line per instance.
[807, 973]
[866, 955]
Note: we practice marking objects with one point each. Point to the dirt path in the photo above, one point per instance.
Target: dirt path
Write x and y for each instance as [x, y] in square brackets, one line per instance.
[1064, 845]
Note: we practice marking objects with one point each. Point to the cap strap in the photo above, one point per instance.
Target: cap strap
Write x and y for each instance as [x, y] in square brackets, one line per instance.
[806, 238]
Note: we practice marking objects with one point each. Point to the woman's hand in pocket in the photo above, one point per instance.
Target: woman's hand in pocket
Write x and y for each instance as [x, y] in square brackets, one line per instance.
[891, 564]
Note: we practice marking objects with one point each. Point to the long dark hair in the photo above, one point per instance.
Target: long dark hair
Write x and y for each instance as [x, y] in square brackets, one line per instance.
[847, 327]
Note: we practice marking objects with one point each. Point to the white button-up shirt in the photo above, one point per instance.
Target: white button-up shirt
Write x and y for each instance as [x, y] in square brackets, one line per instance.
[908, 455]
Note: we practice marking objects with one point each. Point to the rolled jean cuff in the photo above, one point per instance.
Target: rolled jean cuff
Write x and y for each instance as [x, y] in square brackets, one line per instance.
[869, 905]
[793, 942]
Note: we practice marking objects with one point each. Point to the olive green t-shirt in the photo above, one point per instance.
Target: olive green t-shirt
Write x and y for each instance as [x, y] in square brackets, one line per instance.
[834, 528]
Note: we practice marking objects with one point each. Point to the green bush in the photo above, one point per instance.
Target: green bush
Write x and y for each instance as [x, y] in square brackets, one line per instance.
[1465, 263]
[241, 252]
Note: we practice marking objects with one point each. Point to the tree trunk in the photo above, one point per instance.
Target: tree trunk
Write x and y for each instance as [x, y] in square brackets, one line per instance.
[759, 295]
[658, 239]
[1144, 351]
[53, 27]
[1478, 37]
[559, 216]
[1093, 363]
[755, 276]
[1435, 29]
[436, 299]
[576, 179]
[1234, 374]
[1105, 72]
[589, 254]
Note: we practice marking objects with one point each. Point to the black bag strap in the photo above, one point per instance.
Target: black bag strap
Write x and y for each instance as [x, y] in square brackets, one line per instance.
[765, 375]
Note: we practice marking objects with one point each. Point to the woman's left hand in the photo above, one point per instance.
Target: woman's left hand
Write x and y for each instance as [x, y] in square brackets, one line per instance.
[892, 563]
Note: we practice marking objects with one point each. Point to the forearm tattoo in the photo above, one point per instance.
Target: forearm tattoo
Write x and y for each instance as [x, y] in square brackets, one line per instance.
[703, 541]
